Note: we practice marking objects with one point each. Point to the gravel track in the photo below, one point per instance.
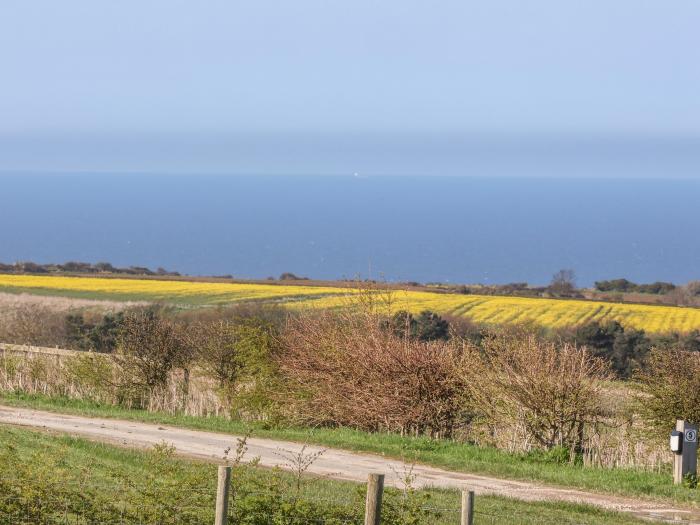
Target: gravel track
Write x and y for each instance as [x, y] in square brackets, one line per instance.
[333, 463]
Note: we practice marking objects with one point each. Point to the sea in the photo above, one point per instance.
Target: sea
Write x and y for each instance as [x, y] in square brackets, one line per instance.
[447, 229]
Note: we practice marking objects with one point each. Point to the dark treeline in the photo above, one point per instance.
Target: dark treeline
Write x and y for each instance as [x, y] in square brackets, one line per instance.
[625, 349]
[80, 267]
[625, 286]
[562, 285]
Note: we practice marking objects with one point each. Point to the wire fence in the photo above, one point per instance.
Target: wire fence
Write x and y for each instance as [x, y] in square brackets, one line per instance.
[51, 510]
[130, 504]
[489, 518]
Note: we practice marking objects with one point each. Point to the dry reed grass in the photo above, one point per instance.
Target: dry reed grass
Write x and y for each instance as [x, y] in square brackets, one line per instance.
[11, 301]
[618, 443]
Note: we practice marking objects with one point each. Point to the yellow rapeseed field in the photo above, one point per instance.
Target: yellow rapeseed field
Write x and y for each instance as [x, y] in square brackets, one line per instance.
[482, 309]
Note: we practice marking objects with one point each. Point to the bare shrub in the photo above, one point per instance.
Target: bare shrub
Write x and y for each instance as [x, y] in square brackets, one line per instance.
[669, 388]
[563, 282]
[149, 348]
[686, 295]
[554, 391]
[298, 462]
[33, 325]
[348, 369]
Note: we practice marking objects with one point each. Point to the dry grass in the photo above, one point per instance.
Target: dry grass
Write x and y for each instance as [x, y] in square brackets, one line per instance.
[85, 376]
[15, 301]
[618, 442]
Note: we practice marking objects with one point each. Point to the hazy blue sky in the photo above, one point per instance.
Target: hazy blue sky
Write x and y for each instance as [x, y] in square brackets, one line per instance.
[312, 86]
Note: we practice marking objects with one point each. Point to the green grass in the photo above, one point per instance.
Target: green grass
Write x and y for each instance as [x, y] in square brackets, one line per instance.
[86, 294]
[82, 460]
[450, 455]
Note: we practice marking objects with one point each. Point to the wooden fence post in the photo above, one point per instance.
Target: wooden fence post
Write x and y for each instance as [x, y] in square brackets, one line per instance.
[222, 489]
[373, 504]
[686, 463]
[467, 507]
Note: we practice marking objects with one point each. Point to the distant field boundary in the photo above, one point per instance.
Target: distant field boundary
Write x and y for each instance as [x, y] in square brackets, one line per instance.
[486, 309]
[341, 284]
[205, 279]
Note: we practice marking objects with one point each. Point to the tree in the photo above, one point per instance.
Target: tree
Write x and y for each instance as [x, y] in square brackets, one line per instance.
[237, 355]
[289, 276]
[669, 386]
[427, 326]
[598, 337]
[563, 282]
[403, 324]
[688, 295]
[431, 327]
[77, 332]
[100, 337]
[149, 348]
[657, 287]
[105, 267]
[626, 286]
[555, 391]
[630, 348]
[625, 349]
[615, 285]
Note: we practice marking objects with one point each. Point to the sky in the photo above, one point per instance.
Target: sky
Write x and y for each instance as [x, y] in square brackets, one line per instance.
[312, 86]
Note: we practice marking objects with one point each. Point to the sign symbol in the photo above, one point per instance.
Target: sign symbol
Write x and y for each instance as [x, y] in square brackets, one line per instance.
[691, 436]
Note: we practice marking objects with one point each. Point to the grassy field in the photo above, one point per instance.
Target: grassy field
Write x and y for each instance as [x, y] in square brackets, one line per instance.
[482, 309]
[452, 455]
[171, 490]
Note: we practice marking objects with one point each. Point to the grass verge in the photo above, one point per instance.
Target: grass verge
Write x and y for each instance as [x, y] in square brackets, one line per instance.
[451, 455]
[76, 462]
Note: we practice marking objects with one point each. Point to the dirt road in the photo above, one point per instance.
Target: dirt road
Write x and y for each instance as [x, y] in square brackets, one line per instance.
[333, 463]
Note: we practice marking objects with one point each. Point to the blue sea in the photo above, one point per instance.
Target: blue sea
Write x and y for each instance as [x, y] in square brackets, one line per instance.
[427, 229]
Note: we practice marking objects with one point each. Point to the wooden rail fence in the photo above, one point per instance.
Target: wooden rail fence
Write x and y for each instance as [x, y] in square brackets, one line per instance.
[6, 348]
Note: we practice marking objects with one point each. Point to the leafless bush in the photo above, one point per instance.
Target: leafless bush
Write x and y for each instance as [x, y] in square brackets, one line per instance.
[298, 462]
[31, 324]
[348, 369]
[149, 348]
[686, 295]
[669, 388]
[554, 391]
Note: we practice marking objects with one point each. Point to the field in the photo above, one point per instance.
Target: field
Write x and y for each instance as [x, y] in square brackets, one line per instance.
[551, 313]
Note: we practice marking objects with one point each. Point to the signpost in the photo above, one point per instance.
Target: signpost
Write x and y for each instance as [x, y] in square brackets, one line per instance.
[684, 444]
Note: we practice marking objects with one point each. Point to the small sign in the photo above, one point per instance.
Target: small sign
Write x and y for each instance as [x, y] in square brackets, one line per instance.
[675, 442]
[691, 436]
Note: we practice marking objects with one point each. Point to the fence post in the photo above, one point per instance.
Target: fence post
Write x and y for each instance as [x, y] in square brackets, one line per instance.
[373, 504]
[222, 488]
[467, 507]
[686, 463]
